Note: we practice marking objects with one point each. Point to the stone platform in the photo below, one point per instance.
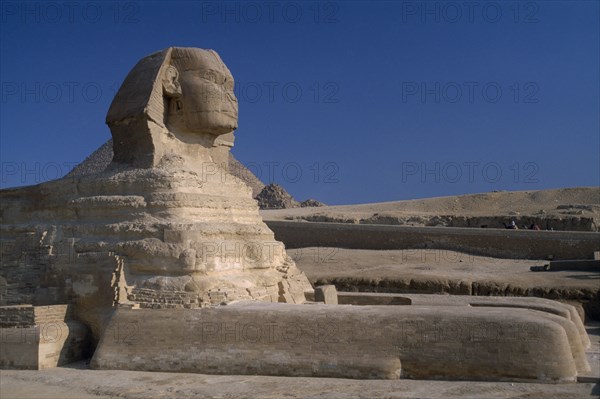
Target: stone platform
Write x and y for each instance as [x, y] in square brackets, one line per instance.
[381, 342]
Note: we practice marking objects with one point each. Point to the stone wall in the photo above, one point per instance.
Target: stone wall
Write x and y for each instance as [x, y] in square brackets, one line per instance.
[560, 222]
[501, 243]
[24, 262]
[17, 316]
[29, 316]
[41, 337]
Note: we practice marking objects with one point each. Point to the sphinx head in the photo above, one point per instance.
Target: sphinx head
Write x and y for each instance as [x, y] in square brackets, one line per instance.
[199, 91]
[172, 102]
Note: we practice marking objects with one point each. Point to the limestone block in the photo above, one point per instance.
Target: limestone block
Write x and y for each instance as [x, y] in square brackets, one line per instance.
[42, 346]
[326, 294]
[540, 304]
[390, 342]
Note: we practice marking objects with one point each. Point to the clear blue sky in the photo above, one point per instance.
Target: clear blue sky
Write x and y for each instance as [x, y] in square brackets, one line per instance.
[346, 102]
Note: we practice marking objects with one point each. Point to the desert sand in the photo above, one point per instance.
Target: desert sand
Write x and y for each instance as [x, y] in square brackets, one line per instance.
[442, 266]
[432, 271]
[559, 209]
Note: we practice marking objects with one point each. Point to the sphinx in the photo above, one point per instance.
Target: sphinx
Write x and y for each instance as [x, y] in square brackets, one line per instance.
[165, 225]
[164, 257]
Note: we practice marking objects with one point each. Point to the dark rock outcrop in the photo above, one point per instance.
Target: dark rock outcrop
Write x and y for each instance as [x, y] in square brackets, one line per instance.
[273, 196]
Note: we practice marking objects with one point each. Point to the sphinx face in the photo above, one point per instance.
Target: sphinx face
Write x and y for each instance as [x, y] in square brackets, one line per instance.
[207, 103]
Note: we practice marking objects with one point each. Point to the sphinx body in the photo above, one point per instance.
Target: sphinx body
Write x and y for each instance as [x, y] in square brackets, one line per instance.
[165, 225]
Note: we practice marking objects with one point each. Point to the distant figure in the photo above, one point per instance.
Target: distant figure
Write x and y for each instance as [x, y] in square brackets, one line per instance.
[511, 226]
[534, 227]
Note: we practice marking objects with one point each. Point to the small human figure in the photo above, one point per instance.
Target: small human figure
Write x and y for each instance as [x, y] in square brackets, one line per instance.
[534, 227]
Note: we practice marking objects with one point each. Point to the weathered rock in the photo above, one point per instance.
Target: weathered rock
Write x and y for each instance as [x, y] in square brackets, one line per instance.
[381, 342]
[326, 294]
[311, 203]
[99, 160]
[165, 225]
[238, 169]
[273, 196]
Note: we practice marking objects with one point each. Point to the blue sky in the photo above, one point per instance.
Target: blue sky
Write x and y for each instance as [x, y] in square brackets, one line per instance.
[345, 102]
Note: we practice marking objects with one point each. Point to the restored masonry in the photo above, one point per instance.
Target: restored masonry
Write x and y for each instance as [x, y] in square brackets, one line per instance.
[39, 337]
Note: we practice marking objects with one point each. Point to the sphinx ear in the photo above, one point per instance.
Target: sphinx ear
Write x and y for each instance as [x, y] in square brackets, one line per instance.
[171, 87]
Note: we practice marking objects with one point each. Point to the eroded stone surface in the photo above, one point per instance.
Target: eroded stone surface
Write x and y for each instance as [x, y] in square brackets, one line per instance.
[383, 342]
[571, 321]
[165, 225]
[100, 159]
[326, 294]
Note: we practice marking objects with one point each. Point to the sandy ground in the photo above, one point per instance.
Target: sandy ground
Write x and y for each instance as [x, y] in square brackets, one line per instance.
[431, 271]
[558, 204]
[501, 202]
[323, 263]
[79, 382]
